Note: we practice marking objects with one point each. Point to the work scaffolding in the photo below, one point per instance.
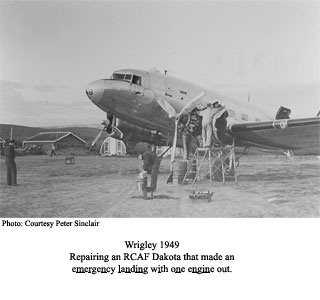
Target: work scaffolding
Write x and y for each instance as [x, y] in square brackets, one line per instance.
[217, 163]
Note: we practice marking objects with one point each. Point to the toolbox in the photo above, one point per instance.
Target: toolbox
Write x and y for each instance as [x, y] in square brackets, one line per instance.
[206, 195]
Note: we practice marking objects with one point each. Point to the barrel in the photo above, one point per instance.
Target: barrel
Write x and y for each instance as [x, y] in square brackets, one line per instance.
[179, 171]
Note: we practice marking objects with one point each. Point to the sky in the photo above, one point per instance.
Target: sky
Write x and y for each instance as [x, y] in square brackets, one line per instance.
[51, 50]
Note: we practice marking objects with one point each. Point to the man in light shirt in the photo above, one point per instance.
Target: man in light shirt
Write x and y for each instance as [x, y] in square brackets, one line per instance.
[207, 123]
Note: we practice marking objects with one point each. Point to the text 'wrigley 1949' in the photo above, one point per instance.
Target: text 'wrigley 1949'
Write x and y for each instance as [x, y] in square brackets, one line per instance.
[151, 245]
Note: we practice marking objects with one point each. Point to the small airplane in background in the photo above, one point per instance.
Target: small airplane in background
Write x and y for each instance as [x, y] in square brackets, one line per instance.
[145, 106]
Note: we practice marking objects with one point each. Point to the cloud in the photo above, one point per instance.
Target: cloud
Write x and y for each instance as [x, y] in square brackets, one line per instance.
[45, 88]
[7, 85]
[44, 105]
[10, 93]
[302, 99]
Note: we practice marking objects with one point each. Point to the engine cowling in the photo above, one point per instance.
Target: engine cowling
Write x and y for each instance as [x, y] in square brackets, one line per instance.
[133, 133]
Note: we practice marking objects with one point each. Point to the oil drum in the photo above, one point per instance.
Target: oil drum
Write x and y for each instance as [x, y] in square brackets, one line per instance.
[179, 171]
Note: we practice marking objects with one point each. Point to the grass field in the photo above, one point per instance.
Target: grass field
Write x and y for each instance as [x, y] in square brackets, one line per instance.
[268, 186]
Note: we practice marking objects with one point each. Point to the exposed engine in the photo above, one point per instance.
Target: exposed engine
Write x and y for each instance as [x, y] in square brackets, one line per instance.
[128, 132]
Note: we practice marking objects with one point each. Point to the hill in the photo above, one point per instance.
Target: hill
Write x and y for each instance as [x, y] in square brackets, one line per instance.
[88, 133]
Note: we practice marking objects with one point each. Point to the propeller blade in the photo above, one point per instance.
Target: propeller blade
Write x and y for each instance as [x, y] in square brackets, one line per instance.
[96, 138]
[191, 105]
[174, 143]
[173, 151]
[168, 108]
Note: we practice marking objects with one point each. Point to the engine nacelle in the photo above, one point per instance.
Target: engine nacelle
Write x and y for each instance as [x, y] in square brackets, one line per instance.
[132, 133]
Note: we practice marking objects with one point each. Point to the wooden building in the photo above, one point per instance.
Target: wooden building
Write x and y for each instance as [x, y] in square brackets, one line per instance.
[66, 143]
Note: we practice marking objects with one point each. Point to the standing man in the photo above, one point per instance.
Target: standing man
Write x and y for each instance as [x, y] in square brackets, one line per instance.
[151, 164]
[183, 128]
[11, 164]
[220, 124]
[207, 126]
[53, 150]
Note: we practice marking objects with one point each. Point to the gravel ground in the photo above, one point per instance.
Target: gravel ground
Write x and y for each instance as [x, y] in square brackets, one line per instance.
[268, 186]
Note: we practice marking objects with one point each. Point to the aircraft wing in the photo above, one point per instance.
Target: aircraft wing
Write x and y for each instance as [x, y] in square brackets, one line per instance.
[290, 134]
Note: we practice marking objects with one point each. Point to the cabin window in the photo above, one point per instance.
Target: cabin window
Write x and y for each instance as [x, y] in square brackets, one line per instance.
[231, 113]
[136, 80]
[244, 117]
[121, 150]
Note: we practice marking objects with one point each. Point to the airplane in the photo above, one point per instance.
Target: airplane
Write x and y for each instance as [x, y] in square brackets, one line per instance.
[146, 106]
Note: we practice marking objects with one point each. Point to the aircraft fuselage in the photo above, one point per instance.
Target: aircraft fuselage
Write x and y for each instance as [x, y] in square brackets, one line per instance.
[131, 95]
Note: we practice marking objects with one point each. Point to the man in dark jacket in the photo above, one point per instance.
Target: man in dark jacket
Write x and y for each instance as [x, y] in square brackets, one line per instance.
[11, 164]
[151, 164]
[148, 159]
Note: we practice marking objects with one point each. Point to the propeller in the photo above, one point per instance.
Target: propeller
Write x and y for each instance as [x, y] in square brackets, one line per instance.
[106, 124]
[169, 109]
[96, 139]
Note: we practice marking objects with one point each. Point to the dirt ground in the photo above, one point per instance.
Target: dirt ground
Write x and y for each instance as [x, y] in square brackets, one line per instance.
[268, 186]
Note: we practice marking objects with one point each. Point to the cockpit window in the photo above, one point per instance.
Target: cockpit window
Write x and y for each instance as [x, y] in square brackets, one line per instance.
[118, 76]
[127, 77]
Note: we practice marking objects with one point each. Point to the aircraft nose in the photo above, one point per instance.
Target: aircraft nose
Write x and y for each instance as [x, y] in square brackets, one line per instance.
[94, 90]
